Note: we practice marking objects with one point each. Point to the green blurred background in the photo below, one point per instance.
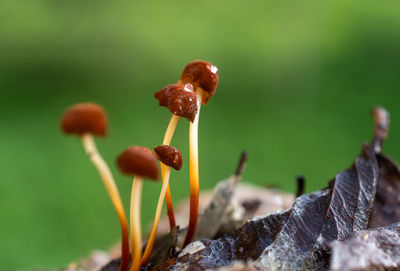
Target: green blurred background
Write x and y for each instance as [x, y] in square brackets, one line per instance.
[297, 82]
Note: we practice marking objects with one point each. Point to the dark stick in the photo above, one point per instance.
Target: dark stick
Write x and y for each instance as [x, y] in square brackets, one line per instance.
[241, 164]
[301, 182]
[382, 121]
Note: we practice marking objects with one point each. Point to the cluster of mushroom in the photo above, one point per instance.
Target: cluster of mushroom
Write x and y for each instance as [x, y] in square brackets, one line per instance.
[196, 86]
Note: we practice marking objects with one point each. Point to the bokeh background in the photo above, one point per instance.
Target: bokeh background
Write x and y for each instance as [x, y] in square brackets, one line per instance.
[297, 82]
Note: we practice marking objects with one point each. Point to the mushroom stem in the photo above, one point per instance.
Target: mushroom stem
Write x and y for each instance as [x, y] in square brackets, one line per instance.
[112, 190]
[136, 233]
[152, 238]
[168, 198]
[194, 174]
[170, 130]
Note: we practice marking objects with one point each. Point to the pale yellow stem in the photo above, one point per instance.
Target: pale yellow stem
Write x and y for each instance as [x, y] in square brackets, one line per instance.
[112, 190]
[170, 129]
[194, 174]
[152, 238]
[136, 232]
[167, 140]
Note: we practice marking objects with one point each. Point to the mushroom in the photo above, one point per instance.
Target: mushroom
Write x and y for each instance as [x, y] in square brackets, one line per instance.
[204, 77]
[180, 99]
[139, 162]
[87, 120]
[170, 157]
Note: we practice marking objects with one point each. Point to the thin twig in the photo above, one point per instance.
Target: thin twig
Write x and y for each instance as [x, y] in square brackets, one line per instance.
[241, 164]
[382, 121]
[301, 182]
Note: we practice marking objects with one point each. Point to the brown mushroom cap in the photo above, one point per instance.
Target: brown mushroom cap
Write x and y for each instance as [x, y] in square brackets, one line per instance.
[201, 74]
[84, 118]
[139, 161]
[180, 99]
[169, 156]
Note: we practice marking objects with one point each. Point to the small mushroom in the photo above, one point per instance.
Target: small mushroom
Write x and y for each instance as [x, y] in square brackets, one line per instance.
[170, 157]
[87, 120]
[181, 100]
[204, 77]
[139, 162]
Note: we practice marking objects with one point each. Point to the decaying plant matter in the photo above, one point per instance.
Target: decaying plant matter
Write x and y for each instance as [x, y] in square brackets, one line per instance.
[300, 238]
[372, 249]
[341, 216]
